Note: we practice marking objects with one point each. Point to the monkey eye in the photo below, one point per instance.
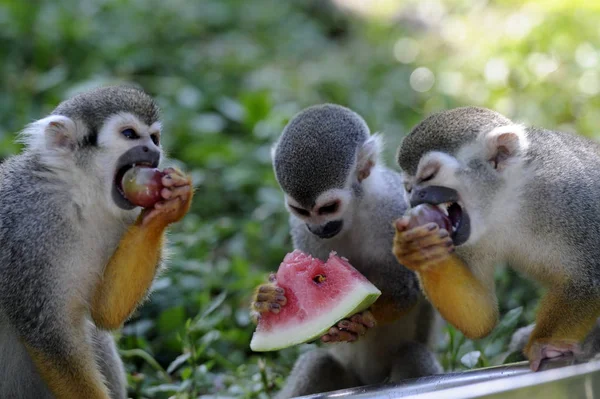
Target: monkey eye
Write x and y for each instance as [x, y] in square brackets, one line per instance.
[130, 134]
[155, 139]
[329, 208]
[427, 178]
[300, 211]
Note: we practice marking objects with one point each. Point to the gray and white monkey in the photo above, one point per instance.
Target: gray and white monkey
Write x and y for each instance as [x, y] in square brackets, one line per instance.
[76, 257]
[343, 198]
[515, 194]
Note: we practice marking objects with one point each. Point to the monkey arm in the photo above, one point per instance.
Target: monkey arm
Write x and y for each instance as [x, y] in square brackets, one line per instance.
[128, 275]
[133, 266]
[446, 280]
[460, 297]
[566, 315]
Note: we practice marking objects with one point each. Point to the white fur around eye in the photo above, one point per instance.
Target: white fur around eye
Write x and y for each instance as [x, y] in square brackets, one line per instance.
[443, 164]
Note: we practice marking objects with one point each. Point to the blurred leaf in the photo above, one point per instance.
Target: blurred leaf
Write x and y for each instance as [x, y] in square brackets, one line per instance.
[471, 359]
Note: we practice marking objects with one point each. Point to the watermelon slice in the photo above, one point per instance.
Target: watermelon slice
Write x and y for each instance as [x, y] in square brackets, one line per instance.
[319, 294]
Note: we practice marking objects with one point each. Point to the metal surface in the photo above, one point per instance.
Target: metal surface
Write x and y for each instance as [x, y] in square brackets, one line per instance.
[558, 378]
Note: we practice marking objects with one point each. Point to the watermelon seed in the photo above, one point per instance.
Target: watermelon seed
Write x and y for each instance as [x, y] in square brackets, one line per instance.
[319, 278]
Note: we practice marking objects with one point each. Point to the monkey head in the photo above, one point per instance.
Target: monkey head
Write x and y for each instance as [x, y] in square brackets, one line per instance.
[469, 161]
[321, 162]
[93, 138]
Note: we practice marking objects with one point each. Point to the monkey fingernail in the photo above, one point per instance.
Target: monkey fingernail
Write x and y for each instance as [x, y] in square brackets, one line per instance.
[344, 324]
[275, 307]
[431, 226]
[281, 299]
[443, 233]
[262, 297]
[280, 290]
[264, 288]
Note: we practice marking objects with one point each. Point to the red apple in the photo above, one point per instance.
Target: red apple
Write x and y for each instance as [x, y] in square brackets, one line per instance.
[427, 213]
[142, 185]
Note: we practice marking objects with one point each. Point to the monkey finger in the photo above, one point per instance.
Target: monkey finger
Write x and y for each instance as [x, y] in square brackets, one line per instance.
[401, 224]
[332, 335]
[365, 318]
[330, 338]
[353, 327]
[418, 232]
[175, 178]
[326, 338]
[347, 336]
[439, 238]
[436, 240]
[260, 306]
[181, 192]
[264, 297]
[426, 257]
[271, 288]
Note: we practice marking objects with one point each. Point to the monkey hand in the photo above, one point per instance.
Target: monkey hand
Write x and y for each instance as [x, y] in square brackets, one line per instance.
[421, 247]
[350, 329]
[543, 349]
[176, 196]
[267, 298]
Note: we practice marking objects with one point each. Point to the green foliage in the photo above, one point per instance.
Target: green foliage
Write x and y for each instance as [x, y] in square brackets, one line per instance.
[228, 75]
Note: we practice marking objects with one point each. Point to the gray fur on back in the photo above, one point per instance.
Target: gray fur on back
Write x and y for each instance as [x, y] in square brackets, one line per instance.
[561, 200]
[446, 131]
[317, 150]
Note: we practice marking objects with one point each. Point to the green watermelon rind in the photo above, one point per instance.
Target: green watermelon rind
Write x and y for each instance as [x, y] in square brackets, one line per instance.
[358, 299]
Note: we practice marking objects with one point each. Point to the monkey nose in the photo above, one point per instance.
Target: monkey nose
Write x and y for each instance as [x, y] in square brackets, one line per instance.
[328, 230]
[433, 195]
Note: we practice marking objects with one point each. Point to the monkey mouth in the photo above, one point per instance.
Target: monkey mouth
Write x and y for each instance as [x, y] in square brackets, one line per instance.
[136, 156]
[121, 172]
[459, 219]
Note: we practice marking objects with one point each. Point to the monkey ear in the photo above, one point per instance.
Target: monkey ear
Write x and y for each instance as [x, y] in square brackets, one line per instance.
[505, 145]
[274, 148]
[55, 133]
[368, 156]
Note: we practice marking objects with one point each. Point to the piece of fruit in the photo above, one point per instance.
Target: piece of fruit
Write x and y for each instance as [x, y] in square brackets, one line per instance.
[319, 294]
[427, 213]
[142, 185]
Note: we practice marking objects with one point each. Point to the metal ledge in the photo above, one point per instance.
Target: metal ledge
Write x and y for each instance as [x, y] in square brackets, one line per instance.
[563, 377]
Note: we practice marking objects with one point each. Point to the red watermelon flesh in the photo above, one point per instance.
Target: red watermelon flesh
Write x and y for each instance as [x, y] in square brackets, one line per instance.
[319, 294]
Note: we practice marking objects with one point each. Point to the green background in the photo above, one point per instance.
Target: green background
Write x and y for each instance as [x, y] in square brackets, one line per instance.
[228, 75]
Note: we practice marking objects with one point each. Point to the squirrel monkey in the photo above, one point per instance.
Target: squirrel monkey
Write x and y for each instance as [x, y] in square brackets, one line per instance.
[76, 257]
[522, 195]
[341, 197]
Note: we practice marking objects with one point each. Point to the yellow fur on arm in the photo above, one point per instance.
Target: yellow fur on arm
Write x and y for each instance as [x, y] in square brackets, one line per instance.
[128, 275]
[460, 297]
[73, 378]
[563, 318]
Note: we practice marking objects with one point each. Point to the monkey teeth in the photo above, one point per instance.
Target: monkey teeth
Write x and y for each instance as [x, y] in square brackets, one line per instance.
[444, 207]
